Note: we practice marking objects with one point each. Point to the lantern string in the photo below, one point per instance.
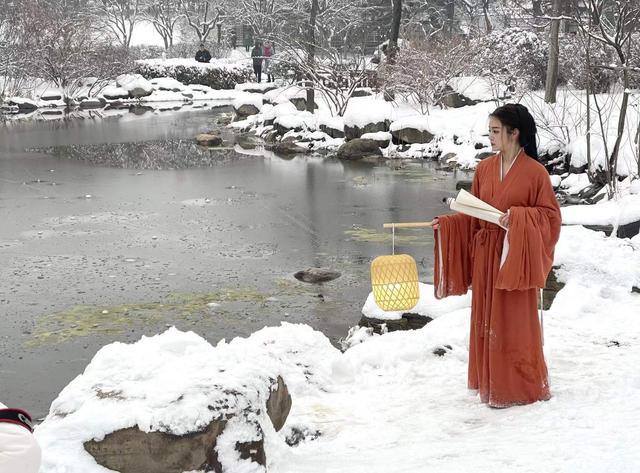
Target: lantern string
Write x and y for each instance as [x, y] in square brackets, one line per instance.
[393, 239]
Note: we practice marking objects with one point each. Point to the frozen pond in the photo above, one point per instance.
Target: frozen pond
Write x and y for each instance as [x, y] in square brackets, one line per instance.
[120, 229]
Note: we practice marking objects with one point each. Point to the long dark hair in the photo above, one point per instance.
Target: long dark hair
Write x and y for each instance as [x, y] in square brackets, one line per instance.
[515, 115]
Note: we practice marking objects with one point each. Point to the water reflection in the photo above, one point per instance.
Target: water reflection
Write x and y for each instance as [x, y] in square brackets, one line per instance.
[157, 154]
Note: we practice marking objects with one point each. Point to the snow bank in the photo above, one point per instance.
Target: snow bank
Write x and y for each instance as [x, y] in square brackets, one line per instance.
[622, 211]
[364, 110]
[428, 305]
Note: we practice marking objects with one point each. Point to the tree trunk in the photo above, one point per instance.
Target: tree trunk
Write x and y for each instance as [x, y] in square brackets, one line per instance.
[392, 49]
[311, 54]
[451, 13]
[487, 19]
[551, 83]
[394, 34]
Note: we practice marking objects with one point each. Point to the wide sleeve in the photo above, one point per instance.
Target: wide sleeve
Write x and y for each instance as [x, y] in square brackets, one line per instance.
[532, 237]
[452, 250]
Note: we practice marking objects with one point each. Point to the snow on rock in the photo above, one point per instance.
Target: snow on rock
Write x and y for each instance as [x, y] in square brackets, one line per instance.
[112, 92]
[634, 188]
[427, 305]
[624, 210]
[256, 87]
[555, 181]
[377, 136]
[168, 383]
[296, 121]
[284, 94]
[135, 84]
[574, 183]
[247, 98]
[362, 111]
[167, 83]
[23, 104]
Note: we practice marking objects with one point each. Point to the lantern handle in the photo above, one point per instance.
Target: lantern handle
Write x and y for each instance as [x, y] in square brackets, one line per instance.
[393, 226]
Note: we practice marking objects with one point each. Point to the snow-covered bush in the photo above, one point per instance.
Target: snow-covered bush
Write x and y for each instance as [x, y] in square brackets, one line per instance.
[572, 67]
[214, 77]
[512, 55]
[423, 69]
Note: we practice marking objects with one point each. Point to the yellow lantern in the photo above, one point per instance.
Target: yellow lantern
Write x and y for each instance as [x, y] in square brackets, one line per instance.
[394, 279]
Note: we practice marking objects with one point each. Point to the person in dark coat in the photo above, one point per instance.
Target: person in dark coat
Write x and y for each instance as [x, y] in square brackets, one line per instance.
[203, 54]
[234, 39]
[256, 55]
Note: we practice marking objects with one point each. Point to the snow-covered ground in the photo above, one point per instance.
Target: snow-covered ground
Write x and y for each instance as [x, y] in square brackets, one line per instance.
[388, 403]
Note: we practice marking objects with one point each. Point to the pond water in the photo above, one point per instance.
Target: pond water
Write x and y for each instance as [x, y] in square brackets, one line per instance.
[117, 227]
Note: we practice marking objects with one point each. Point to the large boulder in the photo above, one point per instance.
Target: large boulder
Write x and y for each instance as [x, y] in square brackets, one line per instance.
[132, 450]
[246, 110]
[24, 105]
[209, 139]
[135, 84]
[301, 103]
[173, 403]
[92, 102]
[358, 149]
[352, 132]
[115, 93]
[410, 135]
[332, 131]
[287, 148]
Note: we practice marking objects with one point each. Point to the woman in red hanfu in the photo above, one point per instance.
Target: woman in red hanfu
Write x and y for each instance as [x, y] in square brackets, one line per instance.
[506, 268]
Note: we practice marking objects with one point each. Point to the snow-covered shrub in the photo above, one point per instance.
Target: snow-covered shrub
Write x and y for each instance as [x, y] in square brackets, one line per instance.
[572, 64]
[423, 69]
[512, 55]
[214, 77]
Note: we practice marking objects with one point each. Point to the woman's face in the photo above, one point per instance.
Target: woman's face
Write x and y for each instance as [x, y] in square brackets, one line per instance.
[499, 135]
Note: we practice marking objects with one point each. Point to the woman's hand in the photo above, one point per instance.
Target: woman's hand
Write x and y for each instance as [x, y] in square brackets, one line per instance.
[504, 220]
[435, 223]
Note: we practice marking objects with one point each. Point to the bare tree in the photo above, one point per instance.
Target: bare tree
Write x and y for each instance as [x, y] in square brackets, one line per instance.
[119, 17]
[612, 23]
[203, 16]
[164, 15]
[66, 51]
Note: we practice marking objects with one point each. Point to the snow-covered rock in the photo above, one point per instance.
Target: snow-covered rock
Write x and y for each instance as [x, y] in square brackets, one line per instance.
[115, 93]
[24, 105]
[383, 138]
[135, 84]
[167, 83]
[247, 104]
[179, 385]
[255, 87]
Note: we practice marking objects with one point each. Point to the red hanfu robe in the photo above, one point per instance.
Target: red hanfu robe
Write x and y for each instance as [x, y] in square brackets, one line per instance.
[506, 361]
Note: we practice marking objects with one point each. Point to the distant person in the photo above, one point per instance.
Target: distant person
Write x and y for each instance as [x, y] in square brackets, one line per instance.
[203, 54]
[19, 450]
[233, 39]
[257, 56]
[248, 40]
[267, 52]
